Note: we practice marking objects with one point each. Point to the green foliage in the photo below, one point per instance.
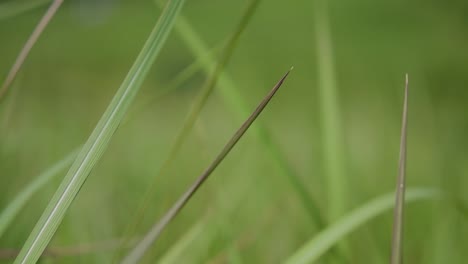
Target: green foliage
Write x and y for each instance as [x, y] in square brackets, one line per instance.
[99, 139]
[323, 241]
[287, 192]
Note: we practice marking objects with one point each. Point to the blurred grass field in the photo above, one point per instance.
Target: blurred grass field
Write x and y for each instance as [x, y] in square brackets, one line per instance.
[247, 212]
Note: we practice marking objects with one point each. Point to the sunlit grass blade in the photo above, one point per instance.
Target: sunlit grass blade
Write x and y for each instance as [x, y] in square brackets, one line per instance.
[330, 115]
[193, 114]
[28, 46]
[137, 253]
[327, 238]
[397, 235]
[230, 93]
[14, 8]
[99, 139]
[14, 207]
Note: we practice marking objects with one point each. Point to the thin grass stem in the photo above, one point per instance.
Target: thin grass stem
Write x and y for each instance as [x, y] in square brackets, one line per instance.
[138, 252]
[192, 116]
[230, 93]
[49, 14]
[397, 234]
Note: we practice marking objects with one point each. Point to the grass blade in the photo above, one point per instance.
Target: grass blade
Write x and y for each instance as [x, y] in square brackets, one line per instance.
[137, 253]
[14, 207]
[234, 100]
[184, 75]
[192, 116]
[28, 46]
[330, 236]
[99, 139]
[330, 115]
[397, 236]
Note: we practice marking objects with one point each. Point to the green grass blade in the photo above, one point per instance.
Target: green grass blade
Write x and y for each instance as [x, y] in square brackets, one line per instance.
[14, 7]
[99, 139]
[330, 115]
[192, 116]
[14, 207]
[234, 100]
[137, 253]
[330, 236]
[49, 14]
[397, 236]
[188, 72]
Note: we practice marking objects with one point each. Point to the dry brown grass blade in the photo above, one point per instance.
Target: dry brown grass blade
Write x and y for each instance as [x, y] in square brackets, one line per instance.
[397, 236]
[137, 253]
[28, 46]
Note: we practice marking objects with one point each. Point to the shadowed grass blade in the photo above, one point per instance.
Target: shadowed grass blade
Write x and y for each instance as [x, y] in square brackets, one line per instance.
[327, 238]
[397, 236]
[99, 139]
[192, 116]
[137, 253]
[184, 75]
[28, 46]
[230, 93]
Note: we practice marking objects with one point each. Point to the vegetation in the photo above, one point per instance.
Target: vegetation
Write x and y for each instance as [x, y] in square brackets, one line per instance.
[312, 181]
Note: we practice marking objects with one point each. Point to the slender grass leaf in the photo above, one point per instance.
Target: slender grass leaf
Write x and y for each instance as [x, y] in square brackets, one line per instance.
[330, 115]
[28, 46]
[182, 77]
[230, 93]
[14, 207]
[397, 236]
[327, 238]
[99, 139]
[333, 162]
[193, 114]
[137, 253]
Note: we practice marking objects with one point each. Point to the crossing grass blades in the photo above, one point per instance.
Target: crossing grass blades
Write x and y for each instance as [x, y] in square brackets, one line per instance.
[140, 249]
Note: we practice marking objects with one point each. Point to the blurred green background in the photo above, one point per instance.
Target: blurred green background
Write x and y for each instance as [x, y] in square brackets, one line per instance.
[248, 211]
